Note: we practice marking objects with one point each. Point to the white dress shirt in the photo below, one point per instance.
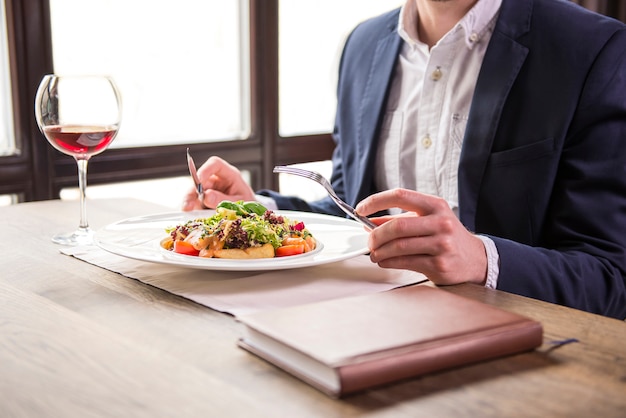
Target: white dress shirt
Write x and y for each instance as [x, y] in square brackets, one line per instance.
[428, 107]
[427, 110]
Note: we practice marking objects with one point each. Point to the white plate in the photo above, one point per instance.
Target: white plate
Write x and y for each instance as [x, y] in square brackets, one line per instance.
[139, 238]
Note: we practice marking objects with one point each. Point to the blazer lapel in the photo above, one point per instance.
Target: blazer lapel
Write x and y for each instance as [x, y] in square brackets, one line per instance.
[379, 80]
[502, 63]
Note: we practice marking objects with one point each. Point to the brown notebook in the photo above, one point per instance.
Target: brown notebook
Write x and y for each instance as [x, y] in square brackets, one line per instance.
[347, 345]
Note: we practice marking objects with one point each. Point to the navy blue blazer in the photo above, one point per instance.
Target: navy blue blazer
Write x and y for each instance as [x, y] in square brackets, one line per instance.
[543, 164]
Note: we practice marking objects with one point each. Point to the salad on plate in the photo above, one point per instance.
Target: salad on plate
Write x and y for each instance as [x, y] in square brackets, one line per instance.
[240, 230]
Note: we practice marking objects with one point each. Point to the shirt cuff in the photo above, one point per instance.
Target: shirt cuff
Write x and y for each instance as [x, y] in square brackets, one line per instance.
[493, 262]
[266, 201]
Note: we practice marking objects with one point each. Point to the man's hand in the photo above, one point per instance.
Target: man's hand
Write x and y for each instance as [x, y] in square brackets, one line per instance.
[221, 181]
[427, 238]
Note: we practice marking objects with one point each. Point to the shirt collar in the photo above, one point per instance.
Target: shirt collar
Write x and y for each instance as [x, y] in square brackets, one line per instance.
[475, 22]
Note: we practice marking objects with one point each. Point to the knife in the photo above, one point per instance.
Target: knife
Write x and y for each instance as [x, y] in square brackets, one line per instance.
[194, 176]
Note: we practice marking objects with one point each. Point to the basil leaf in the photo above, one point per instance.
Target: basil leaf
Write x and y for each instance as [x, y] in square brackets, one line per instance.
[255, 207]
[234, 206]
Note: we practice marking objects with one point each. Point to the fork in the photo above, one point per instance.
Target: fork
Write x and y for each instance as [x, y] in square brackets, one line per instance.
[194, 175]
[317, 177]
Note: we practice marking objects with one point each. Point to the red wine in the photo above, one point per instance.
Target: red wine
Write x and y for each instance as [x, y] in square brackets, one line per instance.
[80, 140]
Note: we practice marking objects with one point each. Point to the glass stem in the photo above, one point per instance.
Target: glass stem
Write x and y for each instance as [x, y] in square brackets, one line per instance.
[82, 186]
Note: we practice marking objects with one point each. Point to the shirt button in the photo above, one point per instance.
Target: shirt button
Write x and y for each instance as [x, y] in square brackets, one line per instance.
[436, 75]
[426, 141]
[473, 37]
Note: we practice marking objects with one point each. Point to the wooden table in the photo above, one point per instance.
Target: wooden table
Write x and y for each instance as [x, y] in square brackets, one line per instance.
[80, 341]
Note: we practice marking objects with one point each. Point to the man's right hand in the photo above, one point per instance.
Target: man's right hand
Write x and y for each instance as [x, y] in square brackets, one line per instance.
[221, 181]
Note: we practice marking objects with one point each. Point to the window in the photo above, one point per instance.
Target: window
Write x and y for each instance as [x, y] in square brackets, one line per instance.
[180, 67]
[197, 59]
[7, 136]
[309, 53]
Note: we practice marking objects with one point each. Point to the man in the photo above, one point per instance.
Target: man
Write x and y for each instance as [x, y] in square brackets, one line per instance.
[509, 119]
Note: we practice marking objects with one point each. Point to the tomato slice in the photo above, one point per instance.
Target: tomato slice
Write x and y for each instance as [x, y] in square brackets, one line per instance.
[286, 250]
[183, 247]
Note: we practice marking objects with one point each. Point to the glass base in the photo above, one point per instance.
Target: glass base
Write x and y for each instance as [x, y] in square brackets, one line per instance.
[82, 236]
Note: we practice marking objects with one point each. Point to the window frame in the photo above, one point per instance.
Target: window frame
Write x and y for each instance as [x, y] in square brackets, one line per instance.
[36, 172]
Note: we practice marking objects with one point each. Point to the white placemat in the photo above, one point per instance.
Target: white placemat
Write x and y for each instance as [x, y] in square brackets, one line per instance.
[239, 293]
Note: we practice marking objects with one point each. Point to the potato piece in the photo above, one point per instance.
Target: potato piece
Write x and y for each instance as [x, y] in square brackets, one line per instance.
[264, 251]
[310, 244]
[167, 243]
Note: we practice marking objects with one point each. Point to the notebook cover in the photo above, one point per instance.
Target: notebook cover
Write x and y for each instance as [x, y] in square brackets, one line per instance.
[380, 338]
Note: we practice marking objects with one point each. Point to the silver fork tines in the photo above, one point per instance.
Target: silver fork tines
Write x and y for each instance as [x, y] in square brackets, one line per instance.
[317, 177]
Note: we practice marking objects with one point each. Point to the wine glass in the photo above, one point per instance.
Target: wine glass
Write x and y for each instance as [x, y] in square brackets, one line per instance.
[79, 116]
